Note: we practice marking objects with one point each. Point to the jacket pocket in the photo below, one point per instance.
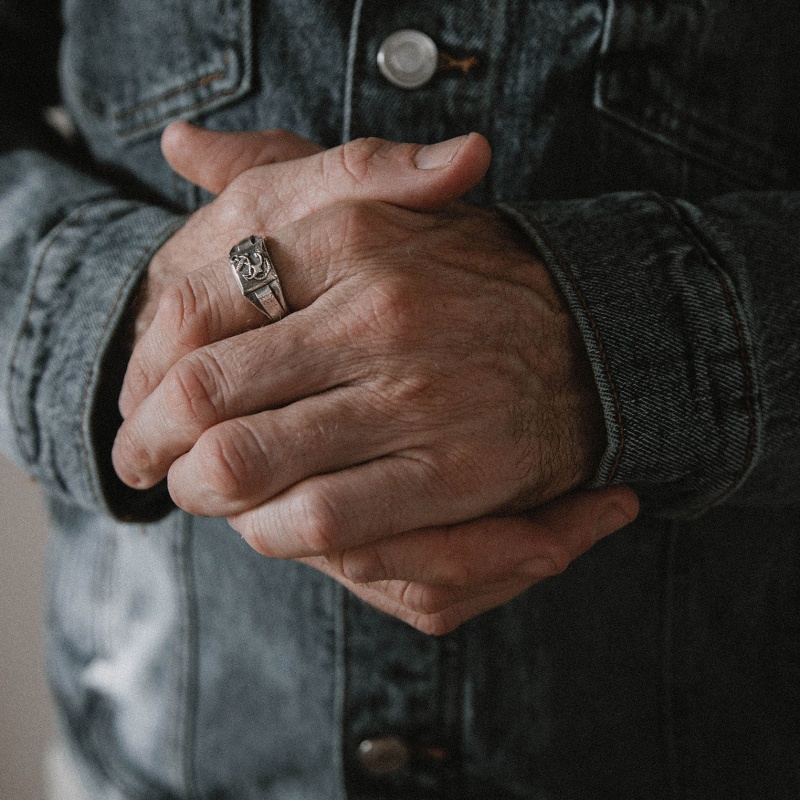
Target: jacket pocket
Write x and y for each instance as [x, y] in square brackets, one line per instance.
[130, 67]
[716, 82]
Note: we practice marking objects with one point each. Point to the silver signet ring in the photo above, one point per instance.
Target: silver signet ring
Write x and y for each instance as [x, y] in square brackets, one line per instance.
[255, 272]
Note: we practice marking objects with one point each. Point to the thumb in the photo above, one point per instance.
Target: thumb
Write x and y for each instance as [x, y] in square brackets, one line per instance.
[302, 177]
[212, 159]
[412, 176]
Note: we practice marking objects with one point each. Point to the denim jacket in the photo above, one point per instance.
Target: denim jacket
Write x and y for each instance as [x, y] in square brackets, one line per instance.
[650, 150]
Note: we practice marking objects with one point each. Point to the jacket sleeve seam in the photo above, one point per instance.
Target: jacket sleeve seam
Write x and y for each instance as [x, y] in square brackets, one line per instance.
[67, 223]
[702, 255]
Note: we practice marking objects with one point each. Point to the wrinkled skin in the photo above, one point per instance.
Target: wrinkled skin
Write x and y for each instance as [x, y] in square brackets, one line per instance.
[418, 426]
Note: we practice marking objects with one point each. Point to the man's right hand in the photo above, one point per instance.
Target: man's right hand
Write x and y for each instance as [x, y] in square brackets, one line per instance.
[200, 156]
[265, 180]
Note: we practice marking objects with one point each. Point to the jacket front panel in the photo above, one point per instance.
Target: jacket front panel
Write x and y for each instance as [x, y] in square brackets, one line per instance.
[691, 99]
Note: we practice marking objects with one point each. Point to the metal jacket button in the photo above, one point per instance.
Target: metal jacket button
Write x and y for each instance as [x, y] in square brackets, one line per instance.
[382, 756]
[408, 58]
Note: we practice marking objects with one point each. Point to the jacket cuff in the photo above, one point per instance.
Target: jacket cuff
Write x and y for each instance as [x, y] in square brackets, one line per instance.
[666, 327]
[70, 356]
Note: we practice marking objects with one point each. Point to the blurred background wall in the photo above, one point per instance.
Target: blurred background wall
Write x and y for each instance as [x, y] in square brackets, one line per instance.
[26, 720]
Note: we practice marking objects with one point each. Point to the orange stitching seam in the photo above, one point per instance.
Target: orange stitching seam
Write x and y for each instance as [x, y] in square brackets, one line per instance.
[195, 84]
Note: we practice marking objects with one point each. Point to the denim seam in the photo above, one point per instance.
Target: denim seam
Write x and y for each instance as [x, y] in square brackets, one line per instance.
[95, 740]
[195, 83]
[668, 659]
[657, 132]
[585, 308]
[345, 603]
[490, 34]
[450, 693]
[350, 72]
[691, 154]
[128, 132]
[339, 678]
[190, 686]
[116, 771]
[68, 222]
[489, 90]
[204, 80]
[700, 253]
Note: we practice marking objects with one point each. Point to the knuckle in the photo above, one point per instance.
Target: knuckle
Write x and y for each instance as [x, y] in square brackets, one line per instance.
[387, 320]
[354, 158]
[357, 224]
[183, 311]
[234, 206]
[193, 389]
[174, 299]
[226, 455]
[390, 305]
[322, 528]
[251, 531]
[178, 302]
[138, 378]
[359, 232]
[559, 559]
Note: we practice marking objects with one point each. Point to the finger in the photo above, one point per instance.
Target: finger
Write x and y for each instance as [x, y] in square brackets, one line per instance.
[421, 177]
[433, 610]
[449, 615]
[192, 312]
[533, 546]
[426, 598]
[325, 514]
[240, 464]
[208, 306]
[212, 159]
[438, 609]
[230, 379]
[284, 177]
[375, 501]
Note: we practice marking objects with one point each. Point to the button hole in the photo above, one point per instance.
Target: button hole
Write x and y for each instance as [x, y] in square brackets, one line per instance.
[434, 753]
[449, 62]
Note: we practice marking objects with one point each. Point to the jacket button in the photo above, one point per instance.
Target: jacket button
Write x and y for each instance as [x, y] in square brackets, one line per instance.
[382, 756]
[408, 59]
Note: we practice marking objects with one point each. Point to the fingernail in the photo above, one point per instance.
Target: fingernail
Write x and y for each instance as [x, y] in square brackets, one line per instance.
[612, 519]
[436, 156]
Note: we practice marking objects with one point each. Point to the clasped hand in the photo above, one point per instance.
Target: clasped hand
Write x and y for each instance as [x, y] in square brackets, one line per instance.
[417, 427]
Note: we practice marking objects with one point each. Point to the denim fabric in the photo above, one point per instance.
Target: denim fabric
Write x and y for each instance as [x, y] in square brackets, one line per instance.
[650, 152]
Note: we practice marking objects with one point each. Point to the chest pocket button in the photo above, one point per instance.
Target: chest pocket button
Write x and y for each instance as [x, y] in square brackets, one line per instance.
[408, 58]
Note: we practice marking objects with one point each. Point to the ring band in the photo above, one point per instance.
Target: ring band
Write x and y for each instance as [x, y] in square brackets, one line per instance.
[255, 272]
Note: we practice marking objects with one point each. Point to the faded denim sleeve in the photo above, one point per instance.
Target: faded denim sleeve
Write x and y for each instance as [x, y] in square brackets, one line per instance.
[690, 314]
[72, 251]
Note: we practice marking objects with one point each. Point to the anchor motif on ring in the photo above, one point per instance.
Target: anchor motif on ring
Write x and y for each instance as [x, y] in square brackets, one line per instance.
[250, 266]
